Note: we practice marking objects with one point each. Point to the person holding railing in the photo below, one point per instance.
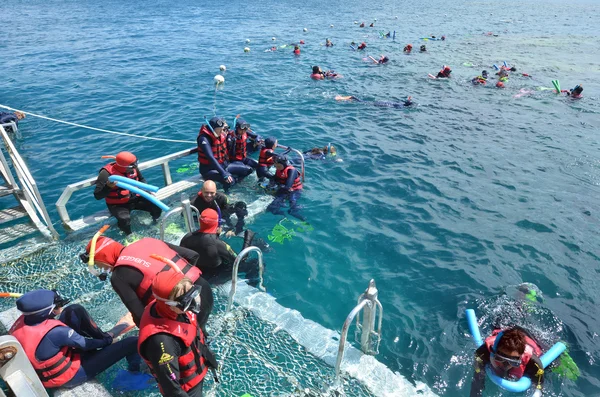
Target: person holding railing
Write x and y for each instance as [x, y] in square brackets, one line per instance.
[121, 202]
[7, 117]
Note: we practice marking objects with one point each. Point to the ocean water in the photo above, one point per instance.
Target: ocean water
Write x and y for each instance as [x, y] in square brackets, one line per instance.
[446, 205]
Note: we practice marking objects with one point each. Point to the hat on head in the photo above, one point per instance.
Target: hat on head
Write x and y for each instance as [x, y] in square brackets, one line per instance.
[270, 142]
[209, 221]
[280, 159]
[39, 302]
[216, 122]
[242, 124]
[164, 282]
[124, 161]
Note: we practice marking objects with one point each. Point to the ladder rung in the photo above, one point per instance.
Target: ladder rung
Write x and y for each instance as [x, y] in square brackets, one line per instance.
[8, 234]
[10, 214]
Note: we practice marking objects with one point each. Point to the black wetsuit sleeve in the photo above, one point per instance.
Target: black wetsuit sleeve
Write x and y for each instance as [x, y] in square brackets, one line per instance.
[140, 176]
[66, 336]
[188, 254]
[226, 253]
[482, 358]
[535, 371]
[204, 146]
[101, 190]
[125, 281]
[251, 135]
[163, 351]
[292, 175]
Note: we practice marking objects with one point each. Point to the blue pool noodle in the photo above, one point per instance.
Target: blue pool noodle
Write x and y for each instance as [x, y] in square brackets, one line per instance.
[496, 67]
[394, 38]
[352, 47]
[133, 182]
[144, 194]
[505, 65]
[513, 386]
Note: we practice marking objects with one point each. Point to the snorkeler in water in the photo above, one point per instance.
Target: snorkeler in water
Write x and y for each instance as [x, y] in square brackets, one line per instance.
[318, 74]
[481, 79]
[382, 104]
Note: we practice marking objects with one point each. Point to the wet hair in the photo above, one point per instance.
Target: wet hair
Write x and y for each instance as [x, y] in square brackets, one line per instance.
[318, 150]
[577, 90]
[512, 340]
[316, 70]
[180, 288]
[513, 69]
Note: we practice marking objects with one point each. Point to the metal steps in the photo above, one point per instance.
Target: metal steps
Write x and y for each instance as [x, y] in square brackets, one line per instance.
[12, 233]
[6, 190]
[10, 214]
[24, 248]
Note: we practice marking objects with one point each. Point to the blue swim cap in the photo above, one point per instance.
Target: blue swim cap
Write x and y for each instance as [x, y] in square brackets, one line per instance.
[216, 122]
[242, 124]
[38, 302]
[281, 159]
[270, 142]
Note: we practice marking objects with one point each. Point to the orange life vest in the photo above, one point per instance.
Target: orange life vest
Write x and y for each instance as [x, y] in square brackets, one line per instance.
[118, 195]
[281, 178]
[265, 159]
[531, 348]
[218, 146]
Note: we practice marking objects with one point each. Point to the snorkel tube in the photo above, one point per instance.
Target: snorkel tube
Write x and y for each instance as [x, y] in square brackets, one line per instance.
[209, 126]
[235, 122]
[95, 272]
[167, 261]
[10, 295]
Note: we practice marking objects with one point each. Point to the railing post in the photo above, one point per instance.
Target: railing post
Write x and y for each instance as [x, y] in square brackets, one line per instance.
[187, 213]
[166, 173]
[163, 222]
[234, 273]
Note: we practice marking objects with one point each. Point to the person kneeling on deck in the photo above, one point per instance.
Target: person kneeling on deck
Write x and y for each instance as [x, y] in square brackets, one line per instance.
[121, 202]
[512, 353]
[240, 164]
[212, 153]
[171, 340]
[133, 271]
[289, 186]
[71, 350]
[217, 257]
[208, 197]
[6, 117]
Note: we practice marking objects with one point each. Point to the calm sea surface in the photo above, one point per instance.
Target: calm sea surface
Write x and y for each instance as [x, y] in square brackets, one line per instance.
[446, 205]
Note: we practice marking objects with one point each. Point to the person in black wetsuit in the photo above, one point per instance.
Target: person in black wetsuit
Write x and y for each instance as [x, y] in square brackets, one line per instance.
[133, 270]
[511, 353]
[6, 117]
[171, 340]
[444, 73]
[288, 183]
[382, 104]
[209, 197]
[216, 256]
[121, 202]
[71, 350]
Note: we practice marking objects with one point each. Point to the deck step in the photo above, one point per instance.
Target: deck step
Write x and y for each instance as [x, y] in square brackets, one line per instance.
[6, 190]
[11, 214]
[9, 234]
[162, 194]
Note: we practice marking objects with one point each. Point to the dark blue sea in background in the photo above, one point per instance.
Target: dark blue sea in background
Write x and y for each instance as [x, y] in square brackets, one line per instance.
[445, 204]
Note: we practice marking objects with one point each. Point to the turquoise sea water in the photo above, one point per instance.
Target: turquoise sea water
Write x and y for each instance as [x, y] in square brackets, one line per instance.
[445, 205]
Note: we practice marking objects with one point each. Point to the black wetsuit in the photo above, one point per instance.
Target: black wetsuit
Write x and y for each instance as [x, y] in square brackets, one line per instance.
[6, 118]
[534, 370]
[125, 280]
[220, 201]
[216, 256]
[385, 104]
[122, 211]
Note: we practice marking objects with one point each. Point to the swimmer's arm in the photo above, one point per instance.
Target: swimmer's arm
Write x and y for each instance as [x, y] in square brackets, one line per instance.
[478, 383]
[535, 371]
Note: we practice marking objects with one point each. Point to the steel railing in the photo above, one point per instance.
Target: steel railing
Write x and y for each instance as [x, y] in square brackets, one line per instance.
[236, 266]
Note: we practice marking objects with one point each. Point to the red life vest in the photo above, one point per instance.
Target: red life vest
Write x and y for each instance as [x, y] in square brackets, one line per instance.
[297, 52]
[137, 255]
[317, 76]
[281, 178]
[238, 150]
[55, 371]
[531, 348]
[192, 365]
[218, 146]
[118, 195]
[265, 159]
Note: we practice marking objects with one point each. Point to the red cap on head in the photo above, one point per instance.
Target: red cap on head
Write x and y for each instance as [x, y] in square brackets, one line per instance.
[500, 84]
[164, 282]
[209, 221]
[124, 160]
[107, 250]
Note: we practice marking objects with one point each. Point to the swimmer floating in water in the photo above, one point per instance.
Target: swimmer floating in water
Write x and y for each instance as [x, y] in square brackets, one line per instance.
[382, 104]
[481, 79]
[328, 43]
[423, 48]
[408, 48]
[318, 74]
[382, 59]
[362, 46]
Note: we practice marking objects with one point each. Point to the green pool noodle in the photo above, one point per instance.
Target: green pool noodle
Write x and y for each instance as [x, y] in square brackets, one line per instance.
[556, 85]
[246, 395]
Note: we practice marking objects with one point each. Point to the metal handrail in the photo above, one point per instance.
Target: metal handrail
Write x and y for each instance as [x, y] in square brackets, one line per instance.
[14, 127]
[28, 184]
[176, 211]
[299, 153]
[64, 198]
[369, 302]
[234, 274]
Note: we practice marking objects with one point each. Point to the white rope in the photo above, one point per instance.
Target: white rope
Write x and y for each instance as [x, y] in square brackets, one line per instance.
[97, 129]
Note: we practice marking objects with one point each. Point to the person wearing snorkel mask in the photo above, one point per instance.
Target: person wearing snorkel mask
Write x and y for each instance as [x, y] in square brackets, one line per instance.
[172, 341]
[240, 164]
[212, 152]
[320, 153]
[133, 268]
[70, 350]
[121, 202]
[216, 256]
[289, 188]
[511, 353]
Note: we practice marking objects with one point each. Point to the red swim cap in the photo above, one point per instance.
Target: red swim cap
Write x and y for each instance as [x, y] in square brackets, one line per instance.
[107, 250]
[500, 84]
[164, 282]
[124, 160]
[209, 221]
